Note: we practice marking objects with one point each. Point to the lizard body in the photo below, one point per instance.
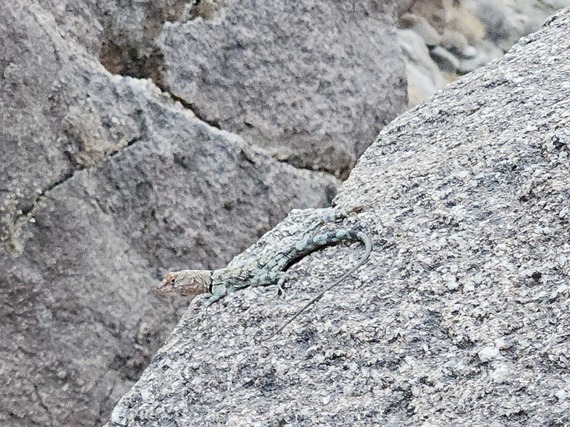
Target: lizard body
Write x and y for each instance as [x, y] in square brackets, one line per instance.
[268, 269]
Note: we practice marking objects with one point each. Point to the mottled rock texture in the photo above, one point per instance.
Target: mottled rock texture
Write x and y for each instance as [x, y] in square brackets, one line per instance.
[461, 36]
[283, 76]
[107, 183]
[461, 317]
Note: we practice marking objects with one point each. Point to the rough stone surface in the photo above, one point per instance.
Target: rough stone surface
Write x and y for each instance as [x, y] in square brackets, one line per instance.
[422, 73]
[106, 184]
[121, 33]
[288, 76]
[312, 81]
[461, 317]
[130, 31]
[505, 21]
[462, 36]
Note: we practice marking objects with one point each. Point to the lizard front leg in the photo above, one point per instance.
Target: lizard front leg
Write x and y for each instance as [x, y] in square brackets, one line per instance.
[218, 292]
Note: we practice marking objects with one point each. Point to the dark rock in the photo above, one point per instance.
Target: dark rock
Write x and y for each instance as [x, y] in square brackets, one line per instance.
[446, 61]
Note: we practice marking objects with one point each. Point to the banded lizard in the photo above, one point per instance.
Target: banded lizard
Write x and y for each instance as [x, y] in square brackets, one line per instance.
[268, 269]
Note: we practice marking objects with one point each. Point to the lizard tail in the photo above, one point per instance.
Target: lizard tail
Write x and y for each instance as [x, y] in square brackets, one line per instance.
[367, 250]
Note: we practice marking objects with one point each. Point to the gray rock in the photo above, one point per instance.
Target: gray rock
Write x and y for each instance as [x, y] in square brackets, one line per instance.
[402, 6]
[298, 70]
[507, 20]
[457, 43]
[423, 75]
[474, 32]
[311, 81]
[107, 183]
[130, 30]
[467, 188]
[121, 33]
[485, 54]
[421, 26]
[501, 25]
[437, 12]
[487, 354]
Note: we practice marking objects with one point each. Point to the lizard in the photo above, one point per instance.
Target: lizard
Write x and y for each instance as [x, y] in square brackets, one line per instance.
[268, 269]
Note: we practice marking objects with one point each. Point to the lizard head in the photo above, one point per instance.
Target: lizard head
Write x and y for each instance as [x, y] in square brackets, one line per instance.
[185, 283]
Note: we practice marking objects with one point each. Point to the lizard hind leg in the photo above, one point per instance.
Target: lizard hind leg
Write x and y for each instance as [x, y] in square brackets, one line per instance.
[280, 290]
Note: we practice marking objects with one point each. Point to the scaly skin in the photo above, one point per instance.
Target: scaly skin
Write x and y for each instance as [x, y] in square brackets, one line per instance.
[267, 270]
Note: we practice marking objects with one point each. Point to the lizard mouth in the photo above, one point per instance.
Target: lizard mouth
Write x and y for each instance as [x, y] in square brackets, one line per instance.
[159, 290]
[167, 285]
